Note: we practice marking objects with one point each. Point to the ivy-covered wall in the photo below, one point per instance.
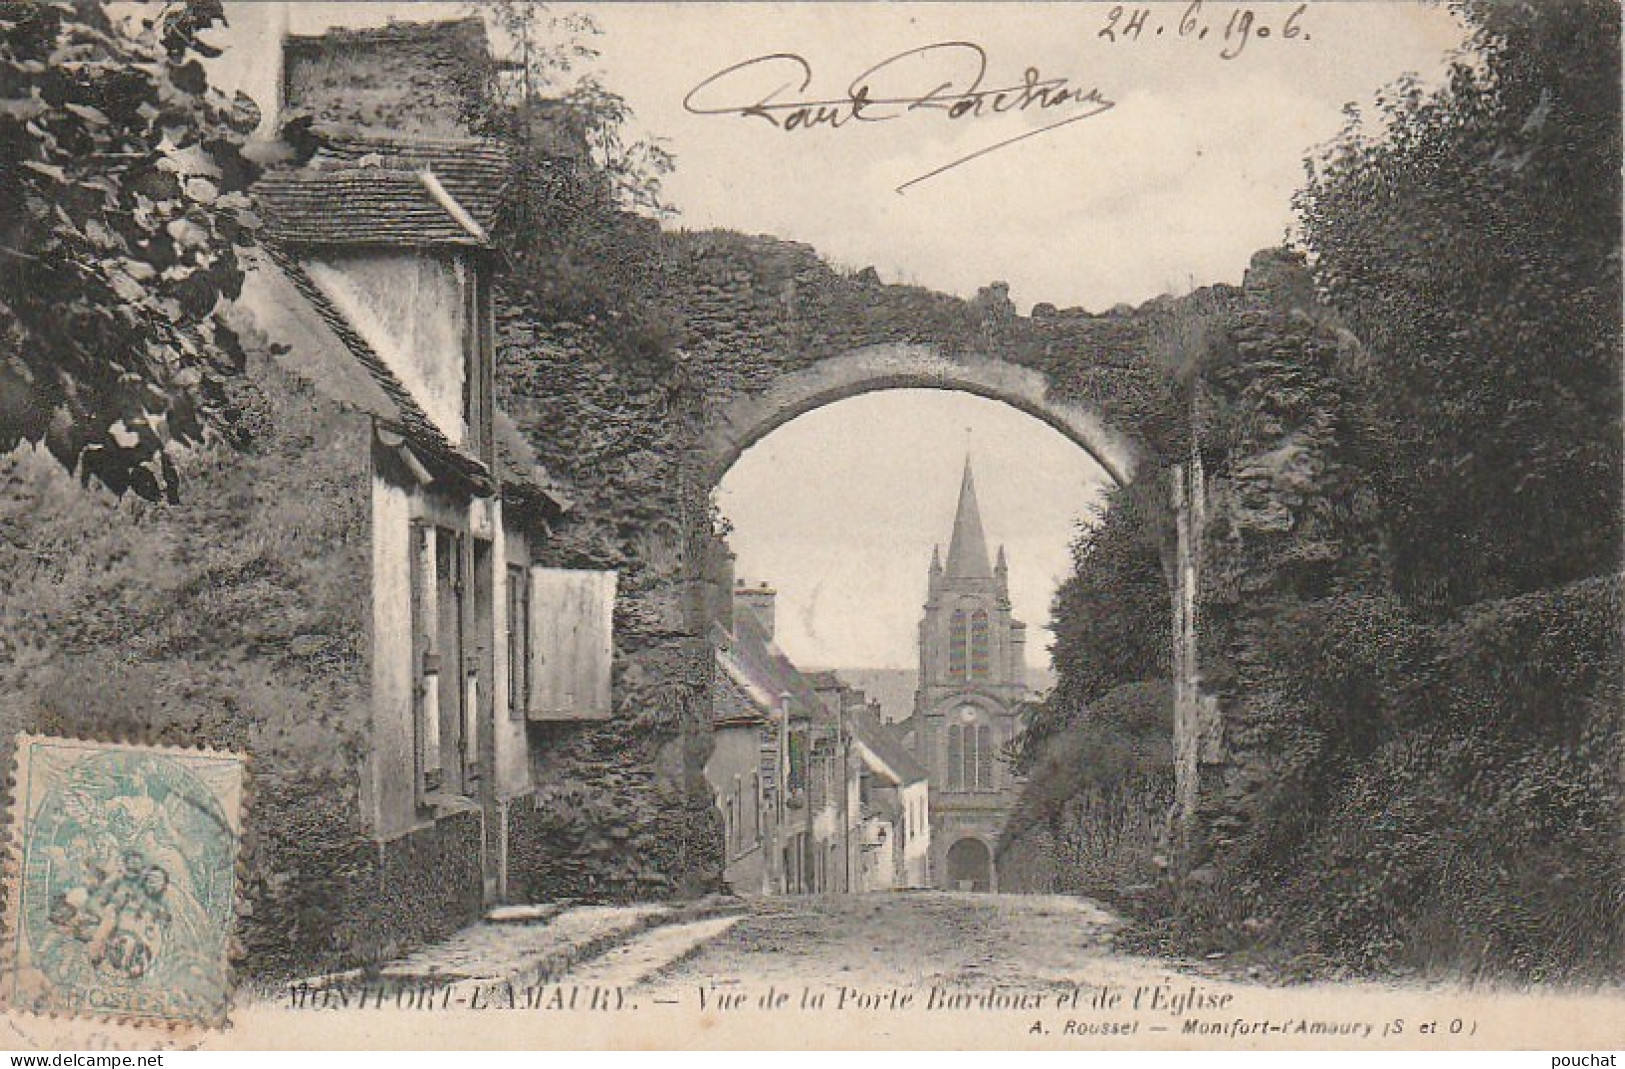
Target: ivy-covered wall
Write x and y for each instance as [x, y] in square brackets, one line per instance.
[239, 619]
[1395, 787]
[234, 619]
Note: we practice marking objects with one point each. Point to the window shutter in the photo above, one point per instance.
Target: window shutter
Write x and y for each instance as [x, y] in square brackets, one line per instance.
[426, 668]
[956, 744]
[572, 634]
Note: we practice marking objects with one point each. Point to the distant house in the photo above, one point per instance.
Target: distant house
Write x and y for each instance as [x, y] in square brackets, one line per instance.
[895, 803]
[779, 766]
[816, 794]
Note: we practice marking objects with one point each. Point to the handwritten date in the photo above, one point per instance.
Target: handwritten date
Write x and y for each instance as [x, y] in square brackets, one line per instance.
[1230, 27]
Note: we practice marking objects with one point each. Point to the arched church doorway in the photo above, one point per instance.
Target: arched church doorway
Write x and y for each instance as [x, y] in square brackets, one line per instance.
[970, 866]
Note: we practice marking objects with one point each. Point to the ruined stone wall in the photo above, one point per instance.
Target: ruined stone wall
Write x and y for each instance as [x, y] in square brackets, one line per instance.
[424, 80]
[622, 808]
[1278, 516]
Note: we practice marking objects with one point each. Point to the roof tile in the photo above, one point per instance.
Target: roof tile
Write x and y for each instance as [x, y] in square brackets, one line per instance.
[357, 206]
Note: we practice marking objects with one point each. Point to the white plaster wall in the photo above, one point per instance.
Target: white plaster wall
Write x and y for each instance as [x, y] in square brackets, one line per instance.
[509, 737]
[410, 309]
[393, 771]
[917, 854]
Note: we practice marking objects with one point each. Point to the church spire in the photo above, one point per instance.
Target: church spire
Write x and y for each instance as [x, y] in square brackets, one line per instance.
[967, 551]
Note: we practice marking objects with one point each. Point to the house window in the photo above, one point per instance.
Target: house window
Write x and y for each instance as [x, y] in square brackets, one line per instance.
[796, 775]
[753, 810]
[426, 657]
[451, 591]
[731, 828]
[519, 644]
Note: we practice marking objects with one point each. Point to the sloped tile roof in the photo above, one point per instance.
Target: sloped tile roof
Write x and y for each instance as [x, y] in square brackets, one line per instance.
[372, 387]
[524, 481]
[731, 705]
[358, 206]
[767, 671]
[887, 745]
[404, 414]
[474, 170]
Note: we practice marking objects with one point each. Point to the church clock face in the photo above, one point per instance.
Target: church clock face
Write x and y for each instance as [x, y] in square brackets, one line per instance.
[967, 713]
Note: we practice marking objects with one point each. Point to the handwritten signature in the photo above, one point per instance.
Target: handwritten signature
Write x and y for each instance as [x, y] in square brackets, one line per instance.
[943, 79]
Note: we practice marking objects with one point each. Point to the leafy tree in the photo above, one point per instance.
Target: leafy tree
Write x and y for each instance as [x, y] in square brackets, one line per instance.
[544, 84]
[1112, 617]
[1474, 243]
[121, 203]
[578, 226]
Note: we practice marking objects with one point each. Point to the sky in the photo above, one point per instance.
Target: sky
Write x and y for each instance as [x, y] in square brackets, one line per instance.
[1178, 163]
[1189, 171]
[838, 510]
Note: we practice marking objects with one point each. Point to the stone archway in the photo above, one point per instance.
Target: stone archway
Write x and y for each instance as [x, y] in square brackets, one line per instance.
[644, 435]
[732, 421]
[970, 866]
[746, 418]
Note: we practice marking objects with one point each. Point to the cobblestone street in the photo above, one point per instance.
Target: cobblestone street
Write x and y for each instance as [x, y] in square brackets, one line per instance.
[915, 939]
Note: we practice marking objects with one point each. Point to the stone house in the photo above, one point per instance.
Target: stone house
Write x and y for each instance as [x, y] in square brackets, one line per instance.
[350, 593]
[893, 848]
[780, 768]
[374, 284]
[853, 813]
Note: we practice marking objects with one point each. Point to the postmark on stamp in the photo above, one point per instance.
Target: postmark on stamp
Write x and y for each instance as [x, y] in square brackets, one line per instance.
[123, 880]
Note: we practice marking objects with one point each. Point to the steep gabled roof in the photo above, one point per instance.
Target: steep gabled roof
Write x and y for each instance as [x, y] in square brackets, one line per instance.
[362, 207]
[731, 704]
[474, 170]
[369, 385]
[885, 744]
[763, 671]
[524, 481]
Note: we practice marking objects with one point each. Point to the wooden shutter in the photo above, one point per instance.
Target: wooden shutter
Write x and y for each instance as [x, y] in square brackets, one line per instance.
[572, 634]
[426, 657]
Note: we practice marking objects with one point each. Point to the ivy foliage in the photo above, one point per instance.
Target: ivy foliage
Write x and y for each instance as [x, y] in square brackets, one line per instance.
[1111, 621]
[578, 227]
[122, 205]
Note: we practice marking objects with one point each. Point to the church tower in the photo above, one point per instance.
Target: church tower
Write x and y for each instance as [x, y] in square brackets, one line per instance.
[972, 682]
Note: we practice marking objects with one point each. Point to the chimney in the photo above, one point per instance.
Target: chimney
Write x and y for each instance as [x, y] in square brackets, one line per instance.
[757, 599]
[719, 585]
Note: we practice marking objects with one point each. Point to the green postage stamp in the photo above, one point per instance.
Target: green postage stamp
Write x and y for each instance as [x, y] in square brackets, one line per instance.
[123, 880]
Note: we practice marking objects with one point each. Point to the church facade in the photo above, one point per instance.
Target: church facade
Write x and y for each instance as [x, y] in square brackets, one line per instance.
[966, 709]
